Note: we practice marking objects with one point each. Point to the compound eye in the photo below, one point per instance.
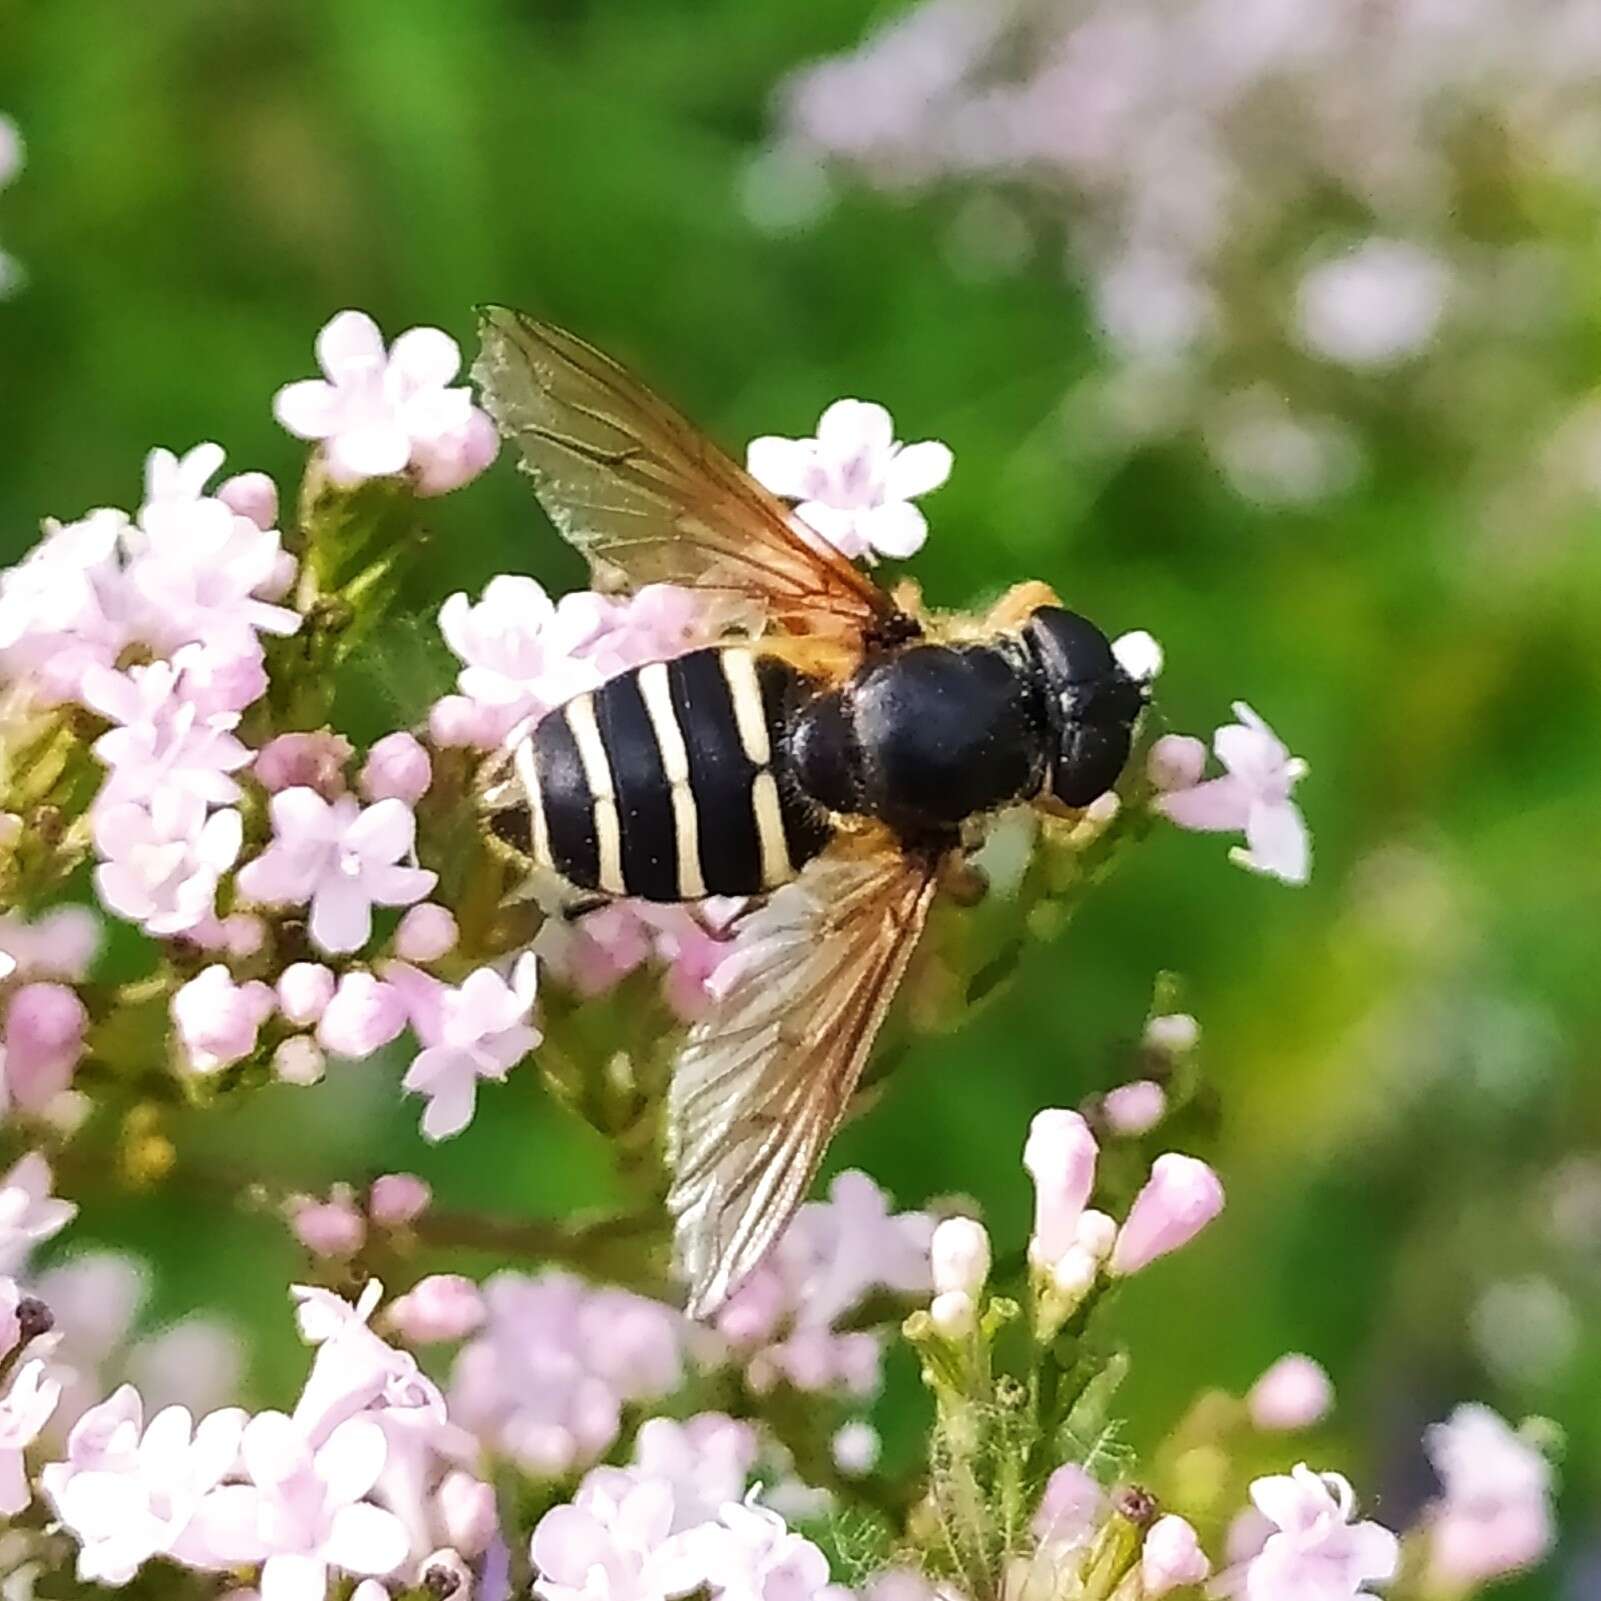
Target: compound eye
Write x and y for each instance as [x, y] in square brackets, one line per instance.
[1070, 648]
[1089, 764]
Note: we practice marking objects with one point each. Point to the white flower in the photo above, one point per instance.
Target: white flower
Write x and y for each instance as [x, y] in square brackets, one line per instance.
[129, 1493]
[160, 862]
[170, 477]
[341, 857]
[1316, 1549]
[24, 1411]
[29, 1214]
[304, 1510]
[163, 743]
[1253, 797]
[379, 412]
[854, 483]
[477, 1030]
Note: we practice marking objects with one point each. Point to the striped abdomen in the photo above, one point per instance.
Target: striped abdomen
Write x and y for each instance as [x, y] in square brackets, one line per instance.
[671, 782]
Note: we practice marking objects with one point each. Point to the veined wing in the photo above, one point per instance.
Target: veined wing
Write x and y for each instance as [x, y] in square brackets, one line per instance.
[645, 495]
[764, 1080]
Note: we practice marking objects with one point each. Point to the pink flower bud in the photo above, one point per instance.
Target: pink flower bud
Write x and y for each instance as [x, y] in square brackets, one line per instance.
[44, 1031]
[304, 991]
[1294, 1393]
[425, 933]
[466, 1508]
[443, 1306]
[960, 1256]
[1171, 1556]
[252, 495]
[397, 768]
[1179, 1199]
[1176, 762]
[329, 1228]
[1074, 1272]
[364, 1014]
[397, 1198]
[1060, 1157]
[1133, 1109]
[217, 1020]
[299, 1061]
[309, 761]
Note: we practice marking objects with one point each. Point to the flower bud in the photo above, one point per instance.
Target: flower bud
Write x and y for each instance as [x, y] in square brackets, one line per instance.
[397, 768]
[1074, 1273]
[445, 1577]
[1174, 1034]
[1294, 1393]
[364, 1014]
[960, 1256]
[1060, 1157]
[1139, 655]
[331, 1228]
[44, 1030]
[1179, 1199]
[855, 1449]
[304, 991]
[313, 761]
[1096, 1233]
[443, 1306]
[454, 720]
[243, 934]
[252, 495]
[217, 1020]
[1070, 1507]
[466, 1508]
[397, 1198]
[953, 1314]
[1176, 762]
[299, 1060]
[1134, 1109]
[455, 459]
[1171, 1556]
[425, 933]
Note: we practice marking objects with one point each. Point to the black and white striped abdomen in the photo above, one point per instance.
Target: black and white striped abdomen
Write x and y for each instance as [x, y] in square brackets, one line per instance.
[671, 782]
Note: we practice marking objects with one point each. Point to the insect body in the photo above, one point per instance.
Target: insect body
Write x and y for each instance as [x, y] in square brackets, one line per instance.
[834, 760]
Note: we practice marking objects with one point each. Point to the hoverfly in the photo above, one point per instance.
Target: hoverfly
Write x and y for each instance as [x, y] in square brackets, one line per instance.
[846, 743]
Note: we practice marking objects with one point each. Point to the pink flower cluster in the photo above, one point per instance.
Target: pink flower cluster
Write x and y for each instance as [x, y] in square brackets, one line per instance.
[364, 1477]
[779, 1326]
[1189, 172]
[545, 1381]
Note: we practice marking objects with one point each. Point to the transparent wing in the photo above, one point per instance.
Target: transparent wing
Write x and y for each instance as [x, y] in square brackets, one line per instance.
[645, 495]
[764, 1080]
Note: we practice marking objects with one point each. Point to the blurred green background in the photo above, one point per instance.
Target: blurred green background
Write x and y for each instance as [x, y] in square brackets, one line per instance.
[1406, 1054]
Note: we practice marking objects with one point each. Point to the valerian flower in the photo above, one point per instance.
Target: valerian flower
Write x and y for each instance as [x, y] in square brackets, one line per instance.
[161, 861]
[380, 412]
[1317, 1547]
[854, 483]
[128, 1492]
[1494, 1515]
[217, 1019]
[1171, 1556]
[24, 1411]
[476, 1030]
[342, 858]
[45, 1025]
[1253, 797]
[29, 1214]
